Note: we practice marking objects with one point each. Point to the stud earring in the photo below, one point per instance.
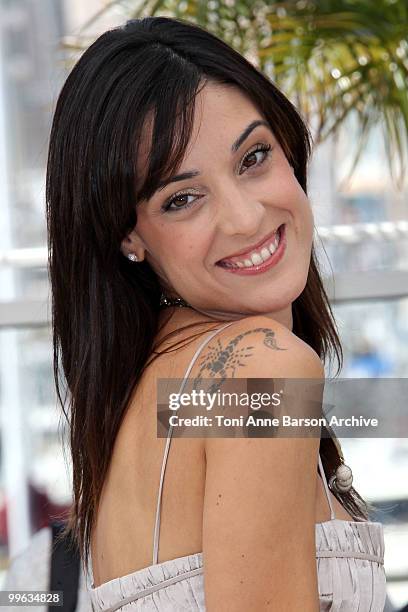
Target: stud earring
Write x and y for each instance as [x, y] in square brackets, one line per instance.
[133, 257]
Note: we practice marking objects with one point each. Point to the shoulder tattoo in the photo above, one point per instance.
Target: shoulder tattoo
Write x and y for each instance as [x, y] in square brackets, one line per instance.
[223, 361]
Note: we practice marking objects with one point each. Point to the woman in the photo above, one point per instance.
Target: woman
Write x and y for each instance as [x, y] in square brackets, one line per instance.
[176, 203]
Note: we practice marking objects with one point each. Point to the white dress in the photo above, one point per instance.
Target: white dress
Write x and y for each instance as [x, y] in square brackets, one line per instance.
[349, 557]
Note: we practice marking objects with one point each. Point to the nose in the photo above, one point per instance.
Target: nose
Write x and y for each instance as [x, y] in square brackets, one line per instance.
[239, 211]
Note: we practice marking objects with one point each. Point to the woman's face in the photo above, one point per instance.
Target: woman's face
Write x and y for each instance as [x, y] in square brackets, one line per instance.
[240, 190]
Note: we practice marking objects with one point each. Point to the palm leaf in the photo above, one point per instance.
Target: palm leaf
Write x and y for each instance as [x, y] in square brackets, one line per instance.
[333, 58]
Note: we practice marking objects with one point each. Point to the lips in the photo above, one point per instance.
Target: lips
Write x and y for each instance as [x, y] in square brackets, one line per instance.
[240, 255]
[250, 267]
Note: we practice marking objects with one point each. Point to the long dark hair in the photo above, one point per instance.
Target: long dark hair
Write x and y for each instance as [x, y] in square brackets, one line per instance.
[105, 309]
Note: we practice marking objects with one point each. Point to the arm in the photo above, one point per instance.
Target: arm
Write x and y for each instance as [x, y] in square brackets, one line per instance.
[259, 506]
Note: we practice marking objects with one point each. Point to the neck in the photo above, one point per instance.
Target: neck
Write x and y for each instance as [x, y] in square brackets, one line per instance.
[190, 314]
[283, 316]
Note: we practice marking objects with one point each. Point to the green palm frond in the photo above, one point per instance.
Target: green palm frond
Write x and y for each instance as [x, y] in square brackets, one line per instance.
[333, 58]
[339, 57]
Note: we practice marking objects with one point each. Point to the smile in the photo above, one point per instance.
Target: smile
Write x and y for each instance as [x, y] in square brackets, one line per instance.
[258, 260]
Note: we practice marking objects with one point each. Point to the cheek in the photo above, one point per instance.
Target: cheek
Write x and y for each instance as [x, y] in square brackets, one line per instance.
[309, 217]
[306, 211]
[302, 211]
[185, 242]
[287, 192]
[159, 238]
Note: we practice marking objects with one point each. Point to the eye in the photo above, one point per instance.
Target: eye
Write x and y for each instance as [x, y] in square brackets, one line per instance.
[251, 156]
[179, 197]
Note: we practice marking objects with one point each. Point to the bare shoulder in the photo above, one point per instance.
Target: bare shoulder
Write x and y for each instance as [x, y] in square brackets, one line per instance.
[260, 494]
[258, 346]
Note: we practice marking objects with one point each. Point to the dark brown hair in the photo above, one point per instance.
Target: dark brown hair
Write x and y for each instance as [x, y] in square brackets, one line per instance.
[104, 308]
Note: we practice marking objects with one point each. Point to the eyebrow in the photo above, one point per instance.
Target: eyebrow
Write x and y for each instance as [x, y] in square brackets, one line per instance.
[234, 147]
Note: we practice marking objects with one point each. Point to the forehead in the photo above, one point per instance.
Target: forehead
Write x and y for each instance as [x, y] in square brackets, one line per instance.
[220, 113]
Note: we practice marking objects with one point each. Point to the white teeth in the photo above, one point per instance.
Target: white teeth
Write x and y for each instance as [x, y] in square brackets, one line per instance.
[256, 259]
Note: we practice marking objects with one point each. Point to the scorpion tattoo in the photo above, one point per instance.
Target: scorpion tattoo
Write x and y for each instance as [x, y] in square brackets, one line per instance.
[219, 360]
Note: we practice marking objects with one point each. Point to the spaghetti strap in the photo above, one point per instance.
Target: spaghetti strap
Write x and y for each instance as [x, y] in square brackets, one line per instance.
[167, 447]
[326, 488]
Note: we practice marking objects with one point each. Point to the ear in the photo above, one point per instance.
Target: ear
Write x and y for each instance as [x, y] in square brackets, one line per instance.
[133, 243]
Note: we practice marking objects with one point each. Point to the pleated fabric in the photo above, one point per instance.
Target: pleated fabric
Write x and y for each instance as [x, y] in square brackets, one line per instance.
[350, 570]
[350, 566]
[175, 585]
